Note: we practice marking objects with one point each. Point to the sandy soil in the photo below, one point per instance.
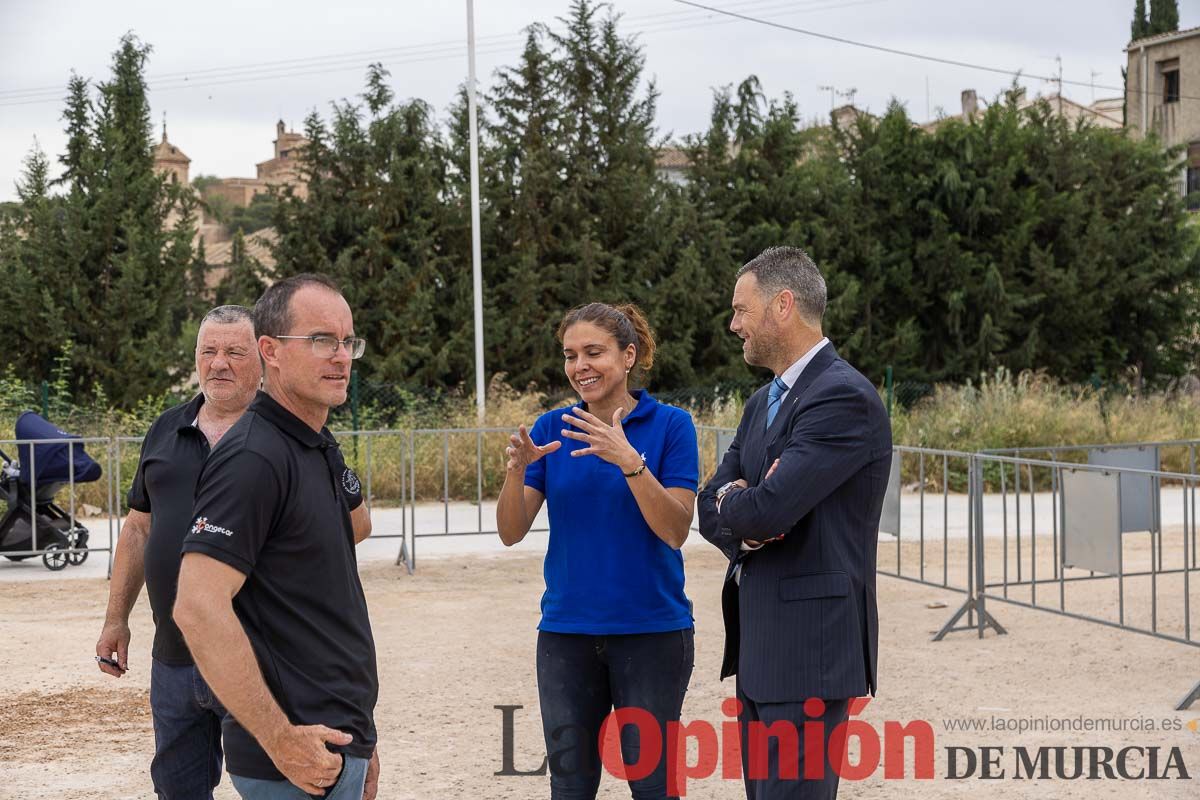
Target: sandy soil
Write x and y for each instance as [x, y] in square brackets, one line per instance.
[456, 639]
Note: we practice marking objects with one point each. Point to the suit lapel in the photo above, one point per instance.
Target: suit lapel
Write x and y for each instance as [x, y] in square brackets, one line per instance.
[757, 447]
[821, 361]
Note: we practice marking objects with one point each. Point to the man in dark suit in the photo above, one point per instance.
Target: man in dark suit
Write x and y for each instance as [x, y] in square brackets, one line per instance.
[795, 506]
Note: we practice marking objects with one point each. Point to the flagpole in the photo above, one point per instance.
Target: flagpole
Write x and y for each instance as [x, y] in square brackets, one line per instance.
[476, 244]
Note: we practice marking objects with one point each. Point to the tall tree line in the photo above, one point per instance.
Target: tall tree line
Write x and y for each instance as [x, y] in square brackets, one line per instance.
[98, 264]
[1014, 239]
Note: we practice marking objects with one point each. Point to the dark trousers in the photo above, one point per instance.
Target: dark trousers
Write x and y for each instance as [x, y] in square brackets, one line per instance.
[187, 733]
[773, 786]
[582, 678]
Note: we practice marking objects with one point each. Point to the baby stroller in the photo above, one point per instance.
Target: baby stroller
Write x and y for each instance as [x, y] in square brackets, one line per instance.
[52, 462]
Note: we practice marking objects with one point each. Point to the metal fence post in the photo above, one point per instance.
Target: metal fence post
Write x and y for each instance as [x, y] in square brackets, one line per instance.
[890, 390]
[354, 409]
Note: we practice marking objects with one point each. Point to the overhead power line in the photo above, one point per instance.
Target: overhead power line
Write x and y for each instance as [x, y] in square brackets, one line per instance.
[909, 53]
[419, 53]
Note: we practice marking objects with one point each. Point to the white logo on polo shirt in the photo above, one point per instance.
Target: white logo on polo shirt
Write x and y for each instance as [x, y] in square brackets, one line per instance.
[350, 482]
[202, 525]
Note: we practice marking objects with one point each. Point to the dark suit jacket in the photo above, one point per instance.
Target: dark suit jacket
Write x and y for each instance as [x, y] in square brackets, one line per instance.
[803, 622]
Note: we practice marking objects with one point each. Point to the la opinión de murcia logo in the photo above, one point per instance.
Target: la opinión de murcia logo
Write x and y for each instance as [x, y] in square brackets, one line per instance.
[202, 525]
[350, 482]
[723, 751]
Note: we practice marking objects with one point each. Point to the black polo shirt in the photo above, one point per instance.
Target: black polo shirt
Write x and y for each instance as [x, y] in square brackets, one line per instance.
[164, 487]
[271, 503]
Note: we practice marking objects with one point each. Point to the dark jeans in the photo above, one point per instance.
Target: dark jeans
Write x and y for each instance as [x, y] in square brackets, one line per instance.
[348, 786]
[773, 786]
[581, 678]
[187, 733]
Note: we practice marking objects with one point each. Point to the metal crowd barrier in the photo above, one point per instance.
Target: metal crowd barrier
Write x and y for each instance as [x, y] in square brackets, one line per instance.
[1002, 527]
[1072, 543]
[454, 449]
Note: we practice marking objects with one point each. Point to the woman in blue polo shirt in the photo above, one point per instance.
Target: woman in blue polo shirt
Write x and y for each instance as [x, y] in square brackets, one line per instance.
[618, 472]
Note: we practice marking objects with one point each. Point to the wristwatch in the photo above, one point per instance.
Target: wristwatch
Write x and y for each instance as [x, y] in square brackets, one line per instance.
[724, 490]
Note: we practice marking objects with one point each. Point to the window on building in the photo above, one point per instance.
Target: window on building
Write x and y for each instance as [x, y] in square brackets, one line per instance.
[1171, 86]
[1170, 80]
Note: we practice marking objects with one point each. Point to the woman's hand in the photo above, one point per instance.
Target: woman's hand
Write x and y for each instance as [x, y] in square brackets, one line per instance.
[604, 441]
[522, 452]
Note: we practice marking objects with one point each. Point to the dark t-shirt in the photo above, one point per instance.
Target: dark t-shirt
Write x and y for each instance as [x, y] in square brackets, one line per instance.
[164, 486]
[271, 503]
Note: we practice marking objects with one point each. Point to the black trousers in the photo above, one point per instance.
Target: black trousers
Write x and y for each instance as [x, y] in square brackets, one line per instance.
[581, 678]
[763, 755]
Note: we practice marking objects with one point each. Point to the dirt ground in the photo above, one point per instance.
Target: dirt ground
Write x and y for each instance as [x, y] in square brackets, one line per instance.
[457, 639]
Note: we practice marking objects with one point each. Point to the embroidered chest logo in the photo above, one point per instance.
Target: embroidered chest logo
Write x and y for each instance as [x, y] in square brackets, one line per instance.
[350, 482]
[202, 525]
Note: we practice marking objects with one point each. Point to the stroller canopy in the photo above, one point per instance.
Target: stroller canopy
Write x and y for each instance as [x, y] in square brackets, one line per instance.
[52, 461]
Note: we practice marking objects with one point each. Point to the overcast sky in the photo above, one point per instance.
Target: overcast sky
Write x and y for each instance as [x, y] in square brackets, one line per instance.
[224, 119]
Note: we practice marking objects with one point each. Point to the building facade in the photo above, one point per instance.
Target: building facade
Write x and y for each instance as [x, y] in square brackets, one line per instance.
[1162, 96]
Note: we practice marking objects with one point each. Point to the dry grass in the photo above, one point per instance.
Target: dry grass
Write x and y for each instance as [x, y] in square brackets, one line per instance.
[1001, 411]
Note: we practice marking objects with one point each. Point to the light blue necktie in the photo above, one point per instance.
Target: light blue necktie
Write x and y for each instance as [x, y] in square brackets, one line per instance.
[774, 396]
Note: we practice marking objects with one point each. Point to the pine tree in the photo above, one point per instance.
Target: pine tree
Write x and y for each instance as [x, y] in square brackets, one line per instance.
[535, 225]
[30, 267]
[242, 284]
[109, 258]
[373, 220]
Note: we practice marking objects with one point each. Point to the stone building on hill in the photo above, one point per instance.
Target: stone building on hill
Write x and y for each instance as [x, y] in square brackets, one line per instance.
[171, 160]
[282, 170]
[258, 249]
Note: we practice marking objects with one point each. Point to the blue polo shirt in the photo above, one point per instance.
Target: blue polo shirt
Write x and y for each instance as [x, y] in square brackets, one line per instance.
[606, 571]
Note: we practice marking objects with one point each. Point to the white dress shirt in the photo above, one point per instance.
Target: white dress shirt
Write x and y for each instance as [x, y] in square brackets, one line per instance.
[792, 373]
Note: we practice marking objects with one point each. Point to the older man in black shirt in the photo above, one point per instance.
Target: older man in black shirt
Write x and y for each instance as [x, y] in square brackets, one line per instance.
[187, 720]
[269, 599]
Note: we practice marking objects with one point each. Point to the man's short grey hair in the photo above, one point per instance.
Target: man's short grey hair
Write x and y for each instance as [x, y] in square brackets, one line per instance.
[227, 315]
[779, 268]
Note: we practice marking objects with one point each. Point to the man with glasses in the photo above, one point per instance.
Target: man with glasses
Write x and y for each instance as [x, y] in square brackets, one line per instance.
[187, 720]
[269, 599]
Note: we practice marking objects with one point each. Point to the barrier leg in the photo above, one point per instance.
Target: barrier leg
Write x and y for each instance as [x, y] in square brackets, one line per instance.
[985, 620]
[1191, 697]
[402, 556]
[975, 603]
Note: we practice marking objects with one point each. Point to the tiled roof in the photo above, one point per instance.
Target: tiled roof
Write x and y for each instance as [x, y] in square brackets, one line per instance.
[258, 247]
[165, 151]
[672, 158]
[1183, 34]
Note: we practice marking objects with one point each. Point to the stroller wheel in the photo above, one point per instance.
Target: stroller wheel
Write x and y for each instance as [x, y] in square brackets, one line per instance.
[78, 539]
[53, 559]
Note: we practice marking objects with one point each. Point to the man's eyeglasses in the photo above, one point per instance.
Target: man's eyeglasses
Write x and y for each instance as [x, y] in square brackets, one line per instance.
[327, 346]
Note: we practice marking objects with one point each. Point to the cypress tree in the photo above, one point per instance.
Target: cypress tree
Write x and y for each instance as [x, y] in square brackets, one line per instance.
[1164, 17]
[1140, 25]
